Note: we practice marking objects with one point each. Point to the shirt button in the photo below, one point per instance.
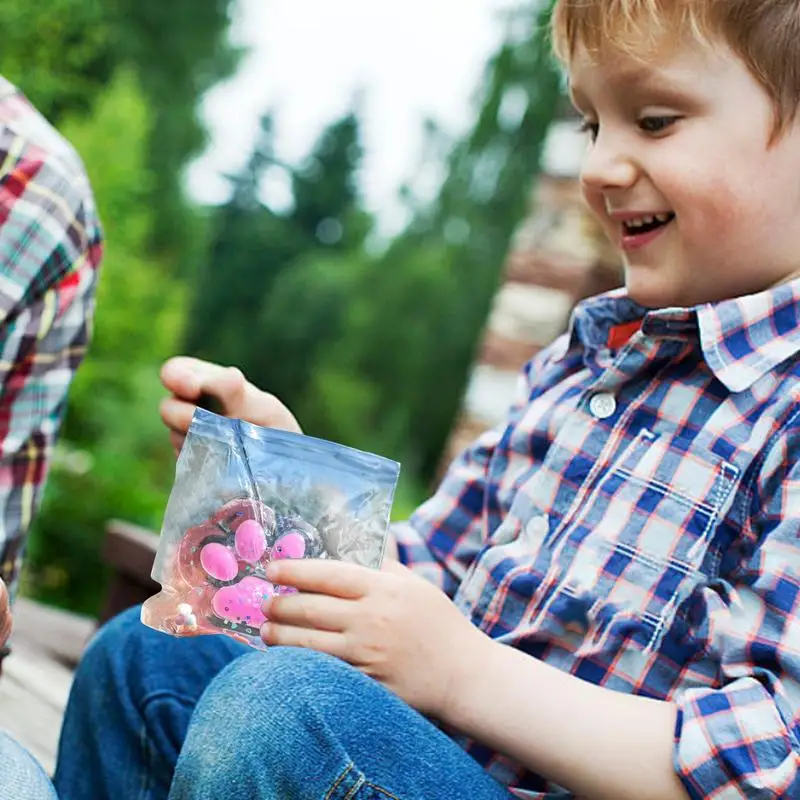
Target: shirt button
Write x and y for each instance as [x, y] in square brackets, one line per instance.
[603, 405]
[505, 534]
[538, 527]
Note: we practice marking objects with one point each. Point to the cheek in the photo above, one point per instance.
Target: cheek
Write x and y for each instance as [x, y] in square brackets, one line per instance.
[713, 203]
[596, 204]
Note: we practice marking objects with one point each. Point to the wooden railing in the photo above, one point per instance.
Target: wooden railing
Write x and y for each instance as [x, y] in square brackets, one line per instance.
[129, 550]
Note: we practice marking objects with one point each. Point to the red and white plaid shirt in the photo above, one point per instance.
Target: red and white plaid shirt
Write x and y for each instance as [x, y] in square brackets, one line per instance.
[50, 250]
[636, 523]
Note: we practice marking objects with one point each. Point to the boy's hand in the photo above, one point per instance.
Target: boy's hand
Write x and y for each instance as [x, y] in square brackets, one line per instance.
[392, 625]
[188, 379]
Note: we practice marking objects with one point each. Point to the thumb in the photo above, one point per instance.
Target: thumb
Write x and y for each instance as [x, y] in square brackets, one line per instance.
[190, 378]
[229, 390]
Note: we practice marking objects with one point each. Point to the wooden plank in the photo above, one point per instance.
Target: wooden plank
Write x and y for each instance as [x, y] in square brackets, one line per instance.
[57, 634]
[130, 549]
[33, 695]
[47, 643]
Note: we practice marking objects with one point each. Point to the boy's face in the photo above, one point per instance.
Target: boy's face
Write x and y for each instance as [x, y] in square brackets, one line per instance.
[685, 141]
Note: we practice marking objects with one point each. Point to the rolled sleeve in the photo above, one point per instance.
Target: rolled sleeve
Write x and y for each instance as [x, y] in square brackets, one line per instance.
[742, 740]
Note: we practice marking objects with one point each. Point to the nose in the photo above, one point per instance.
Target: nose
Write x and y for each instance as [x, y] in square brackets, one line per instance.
[607, 164]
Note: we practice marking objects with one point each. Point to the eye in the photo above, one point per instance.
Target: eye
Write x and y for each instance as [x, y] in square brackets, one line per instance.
[657, 124]
[592, 128]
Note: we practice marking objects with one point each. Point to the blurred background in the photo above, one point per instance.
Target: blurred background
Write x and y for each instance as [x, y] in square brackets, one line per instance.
[369, 208]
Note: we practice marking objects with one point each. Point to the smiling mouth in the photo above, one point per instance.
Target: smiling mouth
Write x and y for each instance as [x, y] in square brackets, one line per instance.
[643, 225]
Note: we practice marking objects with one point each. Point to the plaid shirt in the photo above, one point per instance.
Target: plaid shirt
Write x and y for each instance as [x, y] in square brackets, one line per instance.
[636, 522]
[50, 248]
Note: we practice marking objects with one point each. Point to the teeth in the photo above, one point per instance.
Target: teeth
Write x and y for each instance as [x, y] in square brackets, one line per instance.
[648, 220]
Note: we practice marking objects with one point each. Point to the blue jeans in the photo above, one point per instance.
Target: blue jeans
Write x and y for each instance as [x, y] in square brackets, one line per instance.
[20, 774]
[152, 716]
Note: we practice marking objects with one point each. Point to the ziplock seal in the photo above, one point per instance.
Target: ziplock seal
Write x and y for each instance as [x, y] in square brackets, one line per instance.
[248, 469]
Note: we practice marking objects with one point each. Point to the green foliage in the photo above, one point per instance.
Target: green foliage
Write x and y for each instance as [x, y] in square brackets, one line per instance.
[485, 195]
[59, 51]
[263, 299]
[374, 350]
[180, 49]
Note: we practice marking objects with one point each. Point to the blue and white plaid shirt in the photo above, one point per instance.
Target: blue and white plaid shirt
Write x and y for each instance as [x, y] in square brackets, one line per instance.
[635, 522]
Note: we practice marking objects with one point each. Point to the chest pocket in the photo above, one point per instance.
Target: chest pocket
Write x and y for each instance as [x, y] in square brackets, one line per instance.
[638, 546]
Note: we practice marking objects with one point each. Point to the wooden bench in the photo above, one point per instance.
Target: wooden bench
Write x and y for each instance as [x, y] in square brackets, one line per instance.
[129, 550]
[48, 643]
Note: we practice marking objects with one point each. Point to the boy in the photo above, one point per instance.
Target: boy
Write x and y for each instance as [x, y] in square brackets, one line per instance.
[602, 595]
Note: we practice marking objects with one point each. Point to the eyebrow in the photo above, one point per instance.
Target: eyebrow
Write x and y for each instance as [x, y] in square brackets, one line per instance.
[636, 75]
[637, 78]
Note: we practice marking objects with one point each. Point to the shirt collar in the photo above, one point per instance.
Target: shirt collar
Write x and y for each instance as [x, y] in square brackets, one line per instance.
[742, 339]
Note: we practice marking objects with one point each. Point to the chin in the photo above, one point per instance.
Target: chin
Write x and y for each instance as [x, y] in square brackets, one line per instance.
[650, 294]
[655, 287]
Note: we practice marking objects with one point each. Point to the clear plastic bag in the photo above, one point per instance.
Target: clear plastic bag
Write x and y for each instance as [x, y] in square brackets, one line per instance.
[244, 495]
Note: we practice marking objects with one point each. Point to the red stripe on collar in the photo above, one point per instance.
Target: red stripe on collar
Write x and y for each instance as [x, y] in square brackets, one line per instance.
[620, 335]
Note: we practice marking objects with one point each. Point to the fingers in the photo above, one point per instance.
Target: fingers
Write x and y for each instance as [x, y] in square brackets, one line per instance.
[176, 414]
[189, 378]
[309, 611]
[333, 644]
[177, 439]
[322, 576]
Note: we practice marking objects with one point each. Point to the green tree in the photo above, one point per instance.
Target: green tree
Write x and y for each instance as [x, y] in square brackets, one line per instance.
[58, 52]
[180, 49]
[258, 296]
[63, 53]
[426, 304]
[250, 244]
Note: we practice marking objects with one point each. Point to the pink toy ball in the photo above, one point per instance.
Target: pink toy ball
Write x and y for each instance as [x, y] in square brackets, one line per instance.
[290, 545]
[221, 562]
[250, 541]
[218, 562]
[241, 603]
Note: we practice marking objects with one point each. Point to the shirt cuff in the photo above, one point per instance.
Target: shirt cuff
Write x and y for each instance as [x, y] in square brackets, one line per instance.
[734, 743]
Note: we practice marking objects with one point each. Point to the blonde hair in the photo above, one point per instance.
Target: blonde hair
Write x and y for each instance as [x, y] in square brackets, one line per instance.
[765, 34]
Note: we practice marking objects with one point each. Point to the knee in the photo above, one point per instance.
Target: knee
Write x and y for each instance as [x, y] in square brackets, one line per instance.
[116, 636]
[106, 646]
[115, 648]
[283, 689]
[283, 680]
[263, 709]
